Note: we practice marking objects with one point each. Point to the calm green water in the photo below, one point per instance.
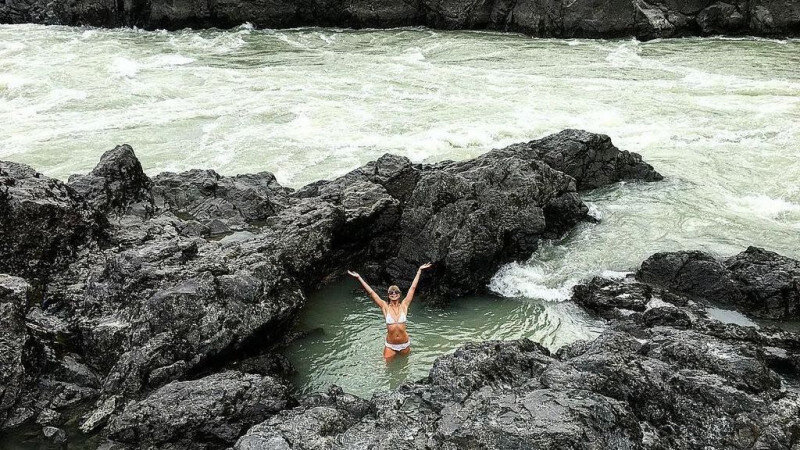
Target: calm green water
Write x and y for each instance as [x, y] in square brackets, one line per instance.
[346, 331]
[718, 117]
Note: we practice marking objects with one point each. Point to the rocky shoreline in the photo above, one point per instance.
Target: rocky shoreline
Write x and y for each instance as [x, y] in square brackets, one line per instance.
[146, 311]
[663, 375]
[541, 18]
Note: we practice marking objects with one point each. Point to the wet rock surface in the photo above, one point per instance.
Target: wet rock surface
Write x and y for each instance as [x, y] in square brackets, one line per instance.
[44, 222]
[211, 411]
[545, 18]
[662, 375]
[758, 282]
[126, 295]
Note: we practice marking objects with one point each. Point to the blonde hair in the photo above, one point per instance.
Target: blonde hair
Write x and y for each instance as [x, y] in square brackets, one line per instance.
[394, 288]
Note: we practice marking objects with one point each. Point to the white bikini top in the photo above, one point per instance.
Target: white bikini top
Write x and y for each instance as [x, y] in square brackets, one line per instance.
[390, 320]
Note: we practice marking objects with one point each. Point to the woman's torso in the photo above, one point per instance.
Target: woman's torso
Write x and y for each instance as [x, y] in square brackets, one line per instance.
[396, 332]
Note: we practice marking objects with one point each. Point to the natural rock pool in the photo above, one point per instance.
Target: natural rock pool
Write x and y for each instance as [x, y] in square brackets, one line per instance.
[717, 117]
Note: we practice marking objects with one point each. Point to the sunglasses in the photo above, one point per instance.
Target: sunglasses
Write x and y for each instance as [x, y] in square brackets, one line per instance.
[394, 292]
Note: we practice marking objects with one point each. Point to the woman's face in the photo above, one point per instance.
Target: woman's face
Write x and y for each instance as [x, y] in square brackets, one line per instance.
[394, 295]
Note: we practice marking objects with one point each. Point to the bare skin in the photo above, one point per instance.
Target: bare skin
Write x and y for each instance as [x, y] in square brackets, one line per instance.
[395, 332]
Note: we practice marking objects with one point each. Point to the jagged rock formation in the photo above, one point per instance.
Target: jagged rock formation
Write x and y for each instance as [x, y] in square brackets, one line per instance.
[128, 293]
[44, 223]
[663, 375]
[758, 282]
[212, 410]
[545, 18]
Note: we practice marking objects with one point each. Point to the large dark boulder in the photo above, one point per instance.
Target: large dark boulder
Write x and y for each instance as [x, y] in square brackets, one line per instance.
[768, 282]
[635, 386]
[43, 222]
[720, 18]
[234, 203]
[40, 376]
[116, 184]
[470, 217]
[483, 396]
[590, 158]
[759, 282]
[212, 411]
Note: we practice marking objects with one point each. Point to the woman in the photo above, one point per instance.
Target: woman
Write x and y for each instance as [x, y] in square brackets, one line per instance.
[394, 312]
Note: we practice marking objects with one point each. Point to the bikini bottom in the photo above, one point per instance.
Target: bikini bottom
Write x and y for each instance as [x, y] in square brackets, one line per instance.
[399, 347]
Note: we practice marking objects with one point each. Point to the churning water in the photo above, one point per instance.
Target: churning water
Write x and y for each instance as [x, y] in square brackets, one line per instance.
[718, 117]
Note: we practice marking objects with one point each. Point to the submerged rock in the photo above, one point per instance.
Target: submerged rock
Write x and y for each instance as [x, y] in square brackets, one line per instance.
[544, 18]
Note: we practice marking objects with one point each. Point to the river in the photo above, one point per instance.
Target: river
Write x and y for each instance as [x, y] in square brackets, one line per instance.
[718, 117]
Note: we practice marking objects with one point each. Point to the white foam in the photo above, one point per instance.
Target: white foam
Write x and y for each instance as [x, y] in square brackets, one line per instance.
[614, 274]
[12, 46]
[594, 211]
[518, 280]
[764, 206]
[11, 81]
[413, 55]
[173, 59]
[123, 67]
[624, 56]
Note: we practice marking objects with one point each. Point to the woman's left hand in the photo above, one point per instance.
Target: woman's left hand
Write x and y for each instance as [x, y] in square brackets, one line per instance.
[425, 266]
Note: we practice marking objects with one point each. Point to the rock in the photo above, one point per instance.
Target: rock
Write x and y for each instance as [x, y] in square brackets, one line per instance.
[774, 17]
[589, 158]
[43, 222]
[213, 410]
[55, 435]
[207, 197]
[720, 18]
[694, 273]
[542, 18]
[13, 340]
[117, 184]
[768, 282]
[39, 377]
[469, 218]
[761, 283]
[101, 414]
[485, 395]
[662, 375]
[309, 425]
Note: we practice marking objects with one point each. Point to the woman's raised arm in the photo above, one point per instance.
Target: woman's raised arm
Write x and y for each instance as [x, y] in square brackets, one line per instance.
[413, 288]
[375, 297]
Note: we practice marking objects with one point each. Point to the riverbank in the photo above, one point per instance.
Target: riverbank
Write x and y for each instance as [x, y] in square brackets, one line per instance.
[548, 18]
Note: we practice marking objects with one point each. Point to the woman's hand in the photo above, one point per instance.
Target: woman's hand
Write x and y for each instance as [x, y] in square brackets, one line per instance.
[354, 275]
[425, 266]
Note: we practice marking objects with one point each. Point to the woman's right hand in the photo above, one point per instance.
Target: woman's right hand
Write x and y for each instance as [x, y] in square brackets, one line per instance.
[354, 275]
